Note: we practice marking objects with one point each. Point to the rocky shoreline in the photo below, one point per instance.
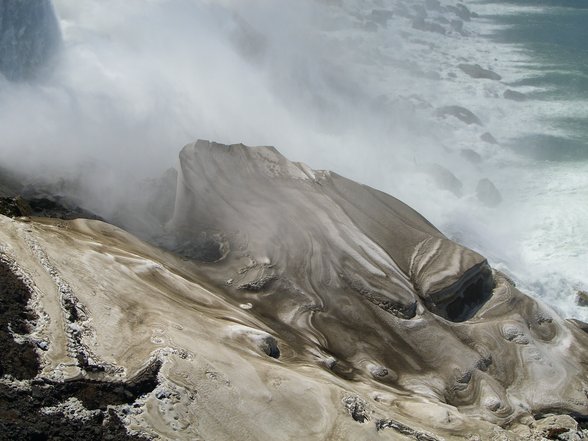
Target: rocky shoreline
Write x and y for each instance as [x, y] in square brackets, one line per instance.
[345, 299]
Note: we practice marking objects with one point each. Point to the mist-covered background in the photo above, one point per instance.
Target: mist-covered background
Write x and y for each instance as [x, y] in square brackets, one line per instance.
[353, 86]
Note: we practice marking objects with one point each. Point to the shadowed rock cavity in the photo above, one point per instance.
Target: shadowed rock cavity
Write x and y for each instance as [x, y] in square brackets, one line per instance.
[461, 301]
[29, 38]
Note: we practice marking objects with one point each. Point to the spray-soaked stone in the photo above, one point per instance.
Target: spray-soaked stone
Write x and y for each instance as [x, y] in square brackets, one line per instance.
[487, 193]
[29, 38]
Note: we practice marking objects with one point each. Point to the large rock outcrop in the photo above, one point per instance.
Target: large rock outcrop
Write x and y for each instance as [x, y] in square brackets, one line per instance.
[29, 37]
[299, 305]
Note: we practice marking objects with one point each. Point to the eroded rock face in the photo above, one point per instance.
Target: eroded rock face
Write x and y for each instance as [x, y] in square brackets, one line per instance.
[351, 251]
[330, 311]
[29, 37]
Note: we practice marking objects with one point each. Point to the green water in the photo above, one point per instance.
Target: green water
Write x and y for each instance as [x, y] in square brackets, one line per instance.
[556, 38]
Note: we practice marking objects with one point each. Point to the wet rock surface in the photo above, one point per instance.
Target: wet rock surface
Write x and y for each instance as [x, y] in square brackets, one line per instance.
[29, 38]
[514, 95]
[23, 404]
[14, 207]
[19, 359]
[22, 417]
[302, 300]
[477, 71]
[44, 206]
[489, 138]
[582, 298]
[487, 193]
[445, 179]
[459, 112]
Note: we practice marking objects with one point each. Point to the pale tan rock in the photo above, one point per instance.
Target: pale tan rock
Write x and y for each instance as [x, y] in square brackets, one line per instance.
[366, 322]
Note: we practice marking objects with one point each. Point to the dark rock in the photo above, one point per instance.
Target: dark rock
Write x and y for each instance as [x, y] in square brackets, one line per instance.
[463, 300]
[471, 156]
[557, 427]
[580, 324]
[445, 179]
[433, 5]
[487, 137]
[514, 95]
[357, 408]
[378, 371]
[419, 11]
[582, 298]
[422, 24]
[404, 430]
[249, 42]
[381, 16]
[461, 113]
[476, 71]
[18, 360]
[457, 25]
[402, 11]
[204, 248]
[58, 208]
[14, 207]
[487, 193]
[461, 11]
[42, 206]
[21, 418]
[29, 38]
[258, 284]
[21, 415]
[269, 345]
[370, 26]
[405, 311]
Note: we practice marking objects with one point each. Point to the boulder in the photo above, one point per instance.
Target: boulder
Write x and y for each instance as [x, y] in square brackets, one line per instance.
[29, 38]
[489, 138]
[445, 179]
[477, 71]
[335, 311]
[459, 112]
[514, 95]
[471, 155]
[487, 193]
[582, 298]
